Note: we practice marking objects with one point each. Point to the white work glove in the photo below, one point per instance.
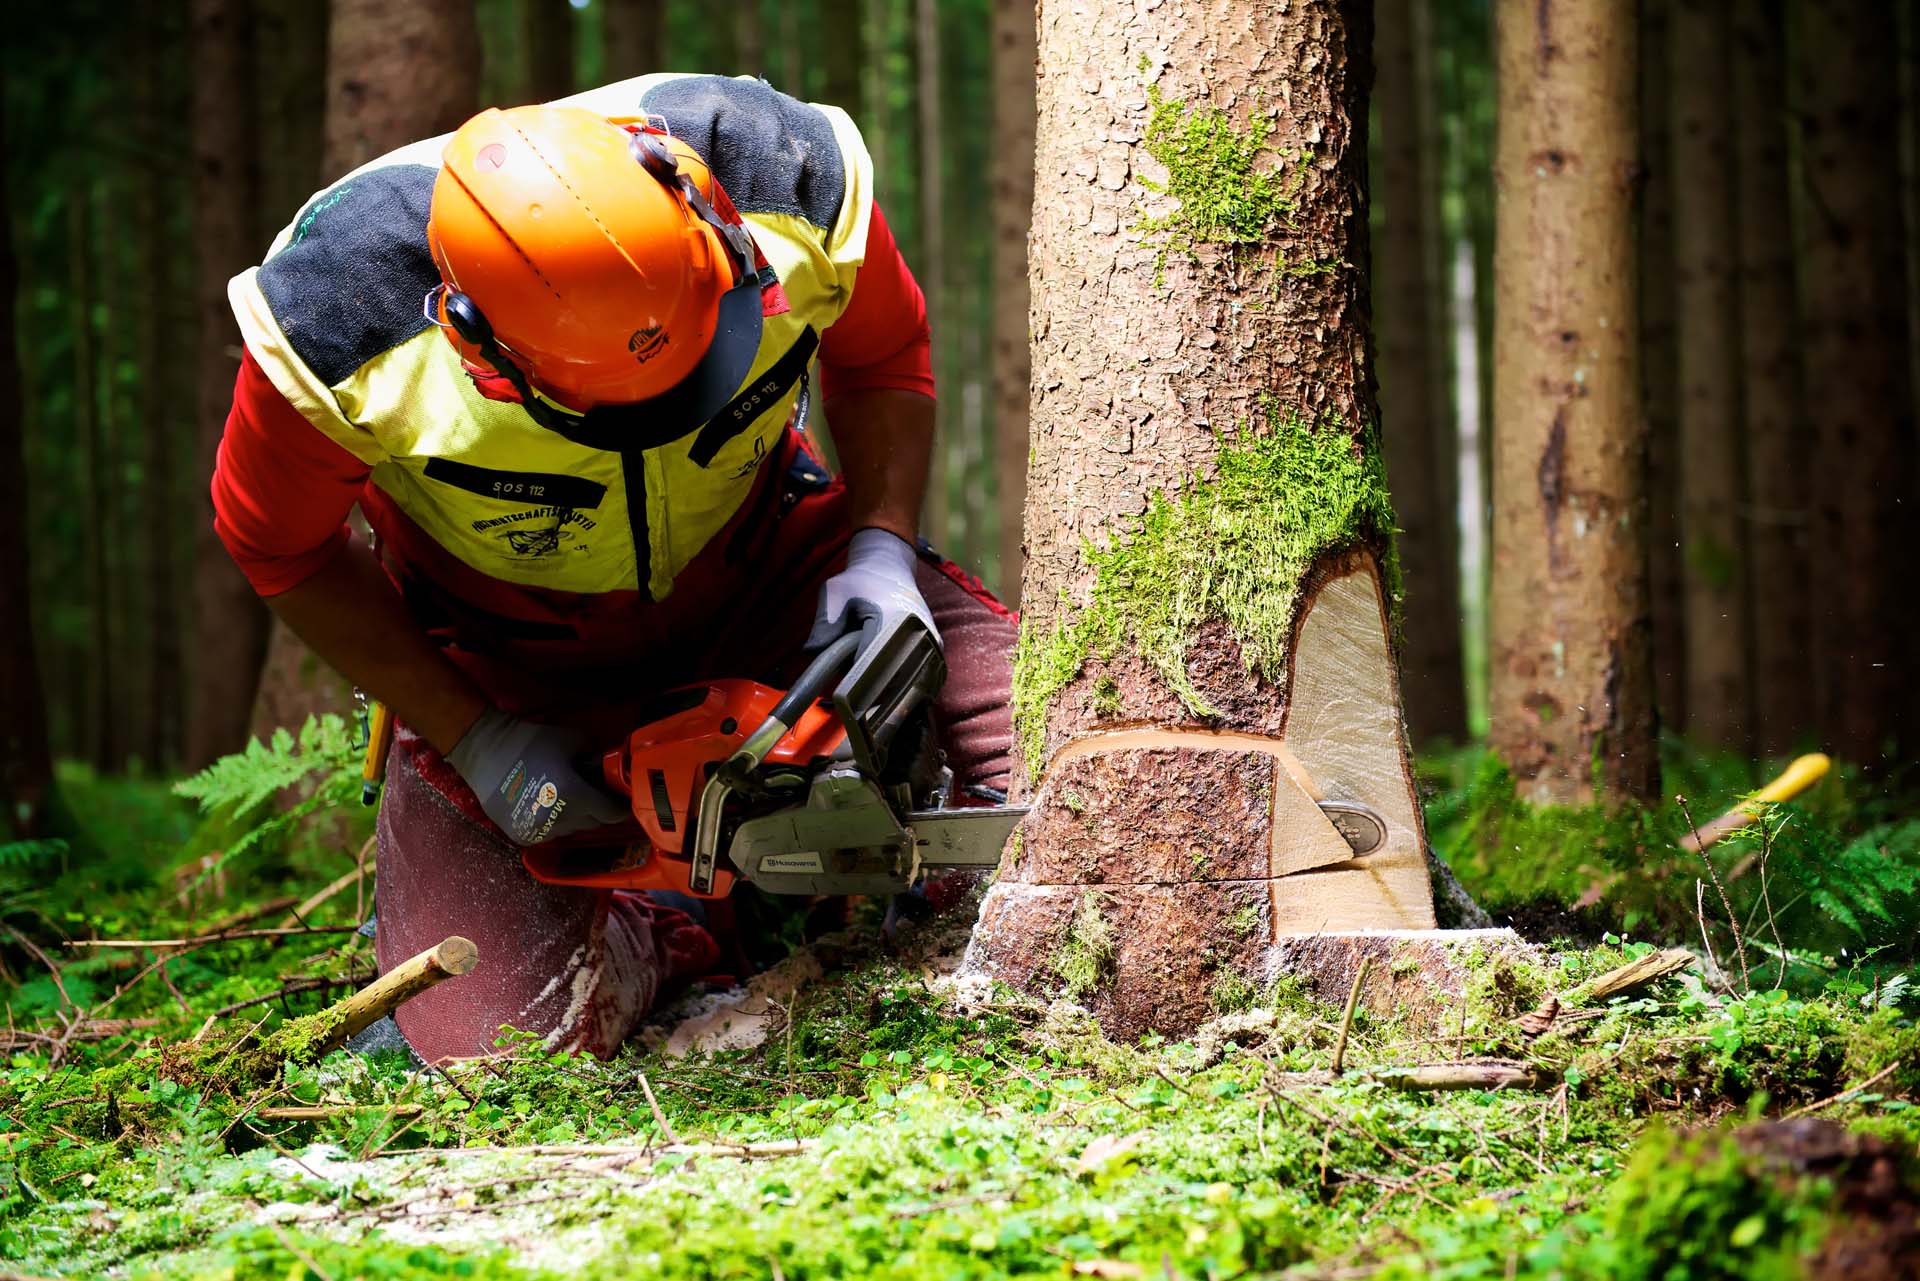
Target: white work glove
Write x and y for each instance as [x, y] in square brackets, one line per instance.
[873, 593]
[524, 775]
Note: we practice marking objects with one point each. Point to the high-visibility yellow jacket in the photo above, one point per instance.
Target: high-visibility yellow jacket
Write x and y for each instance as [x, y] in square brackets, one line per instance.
[334, 318]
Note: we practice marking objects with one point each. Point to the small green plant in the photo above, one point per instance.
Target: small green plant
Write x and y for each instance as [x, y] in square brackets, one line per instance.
[237, 788]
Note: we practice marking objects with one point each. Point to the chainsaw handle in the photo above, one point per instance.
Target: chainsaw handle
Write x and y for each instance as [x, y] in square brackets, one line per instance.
[813, 683]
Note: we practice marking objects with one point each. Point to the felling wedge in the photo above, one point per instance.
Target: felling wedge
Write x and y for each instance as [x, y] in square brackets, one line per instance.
[1153, 919]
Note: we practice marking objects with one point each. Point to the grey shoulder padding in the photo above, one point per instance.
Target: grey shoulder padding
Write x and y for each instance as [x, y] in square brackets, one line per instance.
[772, 153]
[348, 284]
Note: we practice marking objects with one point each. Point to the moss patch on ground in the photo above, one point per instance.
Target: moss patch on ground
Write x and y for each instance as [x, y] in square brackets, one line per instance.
[928, 1130]
[1236, 547]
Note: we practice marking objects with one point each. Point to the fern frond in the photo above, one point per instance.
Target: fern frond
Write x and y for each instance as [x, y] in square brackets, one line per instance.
[17, 855]
[248, 778]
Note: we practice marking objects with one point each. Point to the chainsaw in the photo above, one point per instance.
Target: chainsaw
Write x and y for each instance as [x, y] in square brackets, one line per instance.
[834, 786]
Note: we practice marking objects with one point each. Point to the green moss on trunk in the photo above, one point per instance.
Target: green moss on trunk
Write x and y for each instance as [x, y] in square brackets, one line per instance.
[1235, 547]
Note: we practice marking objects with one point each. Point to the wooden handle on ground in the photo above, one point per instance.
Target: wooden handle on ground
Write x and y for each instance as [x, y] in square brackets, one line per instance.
[402, 983]
[1795, 779]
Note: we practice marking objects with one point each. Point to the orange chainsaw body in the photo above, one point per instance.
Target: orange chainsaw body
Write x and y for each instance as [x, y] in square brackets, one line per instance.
[660, 771]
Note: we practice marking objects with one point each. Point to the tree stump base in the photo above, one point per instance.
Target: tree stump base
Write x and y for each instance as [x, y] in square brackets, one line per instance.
[1168, 958]
[1168, 874]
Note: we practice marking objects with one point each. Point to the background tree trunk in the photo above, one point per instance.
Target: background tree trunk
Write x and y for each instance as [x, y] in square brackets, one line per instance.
[1012, 208]
[161, 660]
[91, 442]
[1421, 447]
[843, 63]
[1773, 420]
[397, 72]
[1220, 458]
[26, 766]
[390, 80]
[1571, 697]
[1659, 370]
[547, 31]
[1854, 344]
[631, 34]
[930, 266]
[230, 623]
[1719, 693]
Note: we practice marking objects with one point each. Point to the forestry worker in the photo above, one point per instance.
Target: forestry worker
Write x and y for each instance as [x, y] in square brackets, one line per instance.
[556, 358]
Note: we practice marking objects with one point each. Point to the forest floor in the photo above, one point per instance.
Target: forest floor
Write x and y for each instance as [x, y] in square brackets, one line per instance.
[1751, 1121]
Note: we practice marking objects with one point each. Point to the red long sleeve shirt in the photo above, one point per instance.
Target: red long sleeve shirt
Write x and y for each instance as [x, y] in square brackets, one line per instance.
[282, 489]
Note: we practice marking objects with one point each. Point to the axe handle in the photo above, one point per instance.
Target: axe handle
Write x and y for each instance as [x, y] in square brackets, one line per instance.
[1795, 779]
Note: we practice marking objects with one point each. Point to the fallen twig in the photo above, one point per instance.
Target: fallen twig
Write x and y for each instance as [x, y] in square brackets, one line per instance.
[314, 900]
[1631, 977]
[659, 1117]
[1493, 1075]
[295, 988]
[79, 1030]
[320, 1112]
[175, 946]
[346, 1019]
[1346, 1020]
[1845, 1094]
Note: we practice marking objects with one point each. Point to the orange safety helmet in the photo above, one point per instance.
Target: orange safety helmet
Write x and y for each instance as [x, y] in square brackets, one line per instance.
[583, 258]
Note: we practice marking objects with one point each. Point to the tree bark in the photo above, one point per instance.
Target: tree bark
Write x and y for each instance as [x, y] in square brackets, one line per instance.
[844, 63]
[1659, 371]
[631, 34]
[1571, 690]
[546, 29]
[1713, 583]
[26, 765]
[1774, 417]
[391, 78]
[1011, 197]
[91, 441]
[230, 623]
[1854, 345]
[153, 191]
[1415, 427]
[397, 72]
[751, 40]
[931, 267]
[1204, 650]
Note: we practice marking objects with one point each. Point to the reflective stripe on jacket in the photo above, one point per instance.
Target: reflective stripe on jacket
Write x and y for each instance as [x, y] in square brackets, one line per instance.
[333, 316]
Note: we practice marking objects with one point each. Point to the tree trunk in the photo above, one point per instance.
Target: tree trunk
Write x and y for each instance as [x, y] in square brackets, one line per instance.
[1854, 345]
[230, 623]
[1204, 651]
[1011, 209]
[26, 765]
[751, 39]
[1659, 370]
[158, 559]
[931, 264]
[1571, 698]
[90, 438]
[391, 79]
[546, 29]
[1713, 583]
[631, 32]
[844, 67]
[1773, 421]
[1414, 424]
[397, 72]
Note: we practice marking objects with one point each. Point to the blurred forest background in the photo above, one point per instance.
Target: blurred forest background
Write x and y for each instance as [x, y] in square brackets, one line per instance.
[152, 151]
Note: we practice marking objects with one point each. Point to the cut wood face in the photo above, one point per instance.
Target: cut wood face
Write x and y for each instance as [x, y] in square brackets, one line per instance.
[1167, 868]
